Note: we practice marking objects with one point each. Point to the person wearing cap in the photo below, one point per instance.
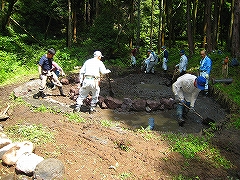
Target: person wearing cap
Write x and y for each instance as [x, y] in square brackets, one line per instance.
[165, 59]
[45, 71]
[186, 90]
[205, 68]
[89, 77]
[182, 66]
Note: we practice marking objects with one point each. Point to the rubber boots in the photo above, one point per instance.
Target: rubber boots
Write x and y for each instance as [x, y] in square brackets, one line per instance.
[61, 91]
[39, 94]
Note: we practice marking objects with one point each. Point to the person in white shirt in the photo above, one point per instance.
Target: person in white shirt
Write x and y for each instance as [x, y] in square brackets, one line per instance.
[89, 80]
[186, 90]
[182, 66]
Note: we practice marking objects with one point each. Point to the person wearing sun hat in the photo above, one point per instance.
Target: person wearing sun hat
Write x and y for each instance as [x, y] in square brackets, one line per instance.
[186, 90]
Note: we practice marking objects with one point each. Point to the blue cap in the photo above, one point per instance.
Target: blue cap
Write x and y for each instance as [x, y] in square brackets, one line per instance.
[163, 47]
[182, 52]
[201, 81]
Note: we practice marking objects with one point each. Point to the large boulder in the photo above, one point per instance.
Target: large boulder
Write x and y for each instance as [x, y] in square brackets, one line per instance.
[27, 162]
[139, 105]
[112, 103]
[12, 155]
[127, 104]
[153, 105]
[168, 103]
[49, 169]
[4, 149]
[4, 142]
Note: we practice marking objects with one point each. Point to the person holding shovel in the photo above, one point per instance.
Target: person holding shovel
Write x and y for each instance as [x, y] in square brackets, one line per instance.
[186, 90]
[46, 72]
[89, 80]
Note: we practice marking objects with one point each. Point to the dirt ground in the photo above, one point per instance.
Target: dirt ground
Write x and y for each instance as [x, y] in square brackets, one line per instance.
[90, 150]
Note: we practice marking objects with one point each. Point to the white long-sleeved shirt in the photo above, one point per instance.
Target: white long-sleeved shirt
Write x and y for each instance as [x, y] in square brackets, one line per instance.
[184, 88]
[183, 63]
[92, 67]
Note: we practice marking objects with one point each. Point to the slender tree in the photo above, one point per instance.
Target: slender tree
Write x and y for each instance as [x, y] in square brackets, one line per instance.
[235, 31]
[190, 29]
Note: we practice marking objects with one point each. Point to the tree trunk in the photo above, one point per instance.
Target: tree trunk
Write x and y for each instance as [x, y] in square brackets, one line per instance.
[138, 22]
[151, 29]
[194, 14]
[216, 24]
[69, 35]
[235, 34]
[169, 22]
[6, 16]
[189, 29]
[207, 40]
[75, 25]
[230, 32]
[163, 22]
[160, 26]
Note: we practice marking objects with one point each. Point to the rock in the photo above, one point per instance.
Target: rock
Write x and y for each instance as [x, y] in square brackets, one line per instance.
[13, 154]
[73, 93]
[49, 169]
[101, 102]
[27, 162]
[153, 105]
[64, 81]
[26, 88]
[5, 149]
[4, 142]
[168, 103]
[139, 105]
[112, 103]
[127, 104]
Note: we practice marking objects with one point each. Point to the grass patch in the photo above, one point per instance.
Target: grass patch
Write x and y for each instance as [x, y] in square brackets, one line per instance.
[74, 117]
[189, 146]
[35, 133]
[146, 133]
[108, 123]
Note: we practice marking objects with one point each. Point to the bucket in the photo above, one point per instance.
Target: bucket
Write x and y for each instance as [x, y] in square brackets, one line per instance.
[151, 123]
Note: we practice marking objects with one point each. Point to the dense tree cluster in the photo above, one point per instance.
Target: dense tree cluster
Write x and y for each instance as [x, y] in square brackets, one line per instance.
[116, 26]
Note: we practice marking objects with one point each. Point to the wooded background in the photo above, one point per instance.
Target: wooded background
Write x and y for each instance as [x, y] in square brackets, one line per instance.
[115, 26]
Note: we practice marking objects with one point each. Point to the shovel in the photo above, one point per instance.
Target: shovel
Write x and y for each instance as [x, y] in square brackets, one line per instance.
[110, 86]
[205, 121]
[3, 115]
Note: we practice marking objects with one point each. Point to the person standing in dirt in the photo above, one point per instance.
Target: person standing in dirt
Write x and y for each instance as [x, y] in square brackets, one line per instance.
[133, 57]
[89, 80]
[186, 90]
[148, 64]
[182, 66]
[46, 72]
[165, 59]
[205, 68]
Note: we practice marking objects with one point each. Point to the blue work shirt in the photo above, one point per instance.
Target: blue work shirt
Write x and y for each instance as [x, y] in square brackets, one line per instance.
[46, 63]
[206, 65]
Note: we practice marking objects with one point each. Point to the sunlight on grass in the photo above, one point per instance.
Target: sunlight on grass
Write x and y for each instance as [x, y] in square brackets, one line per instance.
[189, 146]
[108, 123]
[74, 117]
[146, 133]
[34, 133]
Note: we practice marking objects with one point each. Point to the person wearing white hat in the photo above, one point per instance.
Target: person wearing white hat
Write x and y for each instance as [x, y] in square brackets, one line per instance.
[89, 80]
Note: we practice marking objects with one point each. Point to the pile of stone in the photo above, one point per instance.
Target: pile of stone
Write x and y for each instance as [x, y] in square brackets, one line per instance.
[22, 156]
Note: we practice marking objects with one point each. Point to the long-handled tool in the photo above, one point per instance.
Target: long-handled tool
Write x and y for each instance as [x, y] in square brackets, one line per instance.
[205, 121]
[3, 115]
[110, 86]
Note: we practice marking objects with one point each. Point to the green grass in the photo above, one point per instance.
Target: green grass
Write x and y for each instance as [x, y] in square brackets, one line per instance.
[35, 133]
[74, 117]
[146, 133]
[108, 123]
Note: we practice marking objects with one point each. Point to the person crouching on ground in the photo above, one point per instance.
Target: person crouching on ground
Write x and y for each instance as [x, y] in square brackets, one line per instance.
[89, 80]
[186, 90]
[46, 72]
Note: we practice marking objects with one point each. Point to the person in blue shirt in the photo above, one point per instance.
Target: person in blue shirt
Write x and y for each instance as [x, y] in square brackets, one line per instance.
[45, 71]
[182, 66]
[205, 68]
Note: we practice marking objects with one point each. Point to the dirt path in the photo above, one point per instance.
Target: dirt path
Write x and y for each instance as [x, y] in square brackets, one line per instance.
[90, 150]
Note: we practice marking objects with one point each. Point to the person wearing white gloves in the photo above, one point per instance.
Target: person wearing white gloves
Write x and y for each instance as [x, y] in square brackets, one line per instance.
[186, 90]
[205, 68]
[89, 80]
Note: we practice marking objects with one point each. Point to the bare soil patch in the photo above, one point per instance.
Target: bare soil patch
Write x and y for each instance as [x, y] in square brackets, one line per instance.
[90, 150]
